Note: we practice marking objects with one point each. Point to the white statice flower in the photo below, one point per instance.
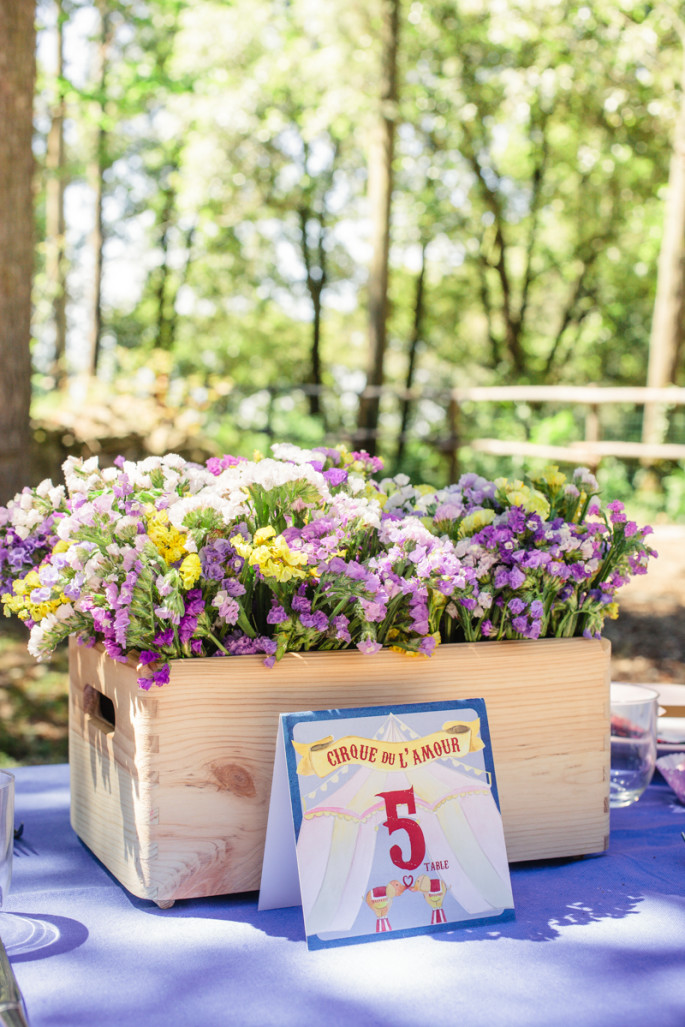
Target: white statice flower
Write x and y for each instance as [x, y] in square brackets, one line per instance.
[393, 532]
[230, 508]
[584, 477]
[198, 478]
[348, 509]
[92, 570]
[54, 494]
[81, 476]
[36, 644]
[123, 524]
[270, 474]
[355, 484]
[295, 454]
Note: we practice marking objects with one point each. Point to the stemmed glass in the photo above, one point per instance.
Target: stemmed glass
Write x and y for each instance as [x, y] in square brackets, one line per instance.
[12, 928]
[6, 832]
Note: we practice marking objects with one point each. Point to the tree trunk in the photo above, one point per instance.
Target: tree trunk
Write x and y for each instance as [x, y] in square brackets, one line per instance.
[96, 175]
[666, 337]
[55, 228]
[316, 276]
[165, 320]
[380, 192]
[413, 352]
[17, 74]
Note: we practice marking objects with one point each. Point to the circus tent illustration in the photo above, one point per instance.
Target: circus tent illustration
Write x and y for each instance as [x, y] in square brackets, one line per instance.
[342, 825]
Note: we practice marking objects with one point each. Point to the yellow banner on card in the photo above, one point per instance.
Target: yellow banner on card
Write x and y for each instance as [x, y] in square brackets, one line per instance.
[456, 739]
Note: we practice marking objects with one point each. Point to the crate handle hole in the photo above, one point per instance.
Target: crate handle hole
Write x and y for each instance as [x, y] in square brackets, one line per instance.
[100, 707]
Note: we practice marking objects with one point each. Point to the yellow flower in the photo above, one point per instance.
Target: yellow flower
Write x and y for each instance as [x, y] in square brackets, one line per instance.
[61, 546]
[517, 493]
[190, 570]
[555, 478]
[273, 555]
[168, 541]
[424, 490]
[611, 611]
[263, 534]
[20, 603]
[476, 520]
[257, 456]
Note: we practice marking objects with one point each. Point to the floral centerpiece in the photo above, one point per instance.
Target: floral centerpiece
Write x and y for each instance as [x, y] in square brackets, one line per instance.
[307, 549]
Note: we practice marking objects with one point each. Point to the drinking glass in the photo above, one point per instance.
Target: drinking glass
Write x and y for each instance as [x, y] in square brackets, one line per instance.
[6, 832]
[633, 742]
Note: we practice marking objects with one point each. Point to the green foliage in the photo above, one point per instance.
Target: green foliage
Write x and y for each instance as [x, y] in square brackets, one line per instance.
[532, 149]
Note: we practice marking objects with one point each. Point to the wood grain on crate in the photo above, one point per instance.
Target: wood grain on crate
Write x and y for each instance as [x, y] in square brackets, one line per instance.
[174, 797]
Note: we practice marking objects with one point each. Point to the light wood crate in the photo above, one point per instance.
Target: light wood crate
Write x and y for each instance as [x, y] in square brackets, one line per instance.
[170, 788]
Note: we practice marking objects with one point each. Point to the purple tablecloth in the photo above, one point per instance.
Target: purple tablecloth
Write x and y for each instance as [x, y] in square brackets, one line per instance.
[597, 942]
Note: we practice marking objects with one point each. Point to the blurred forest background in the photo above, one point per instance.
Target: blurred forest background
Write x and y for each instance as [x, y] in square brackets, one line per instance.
[250, 220]
[247, 211]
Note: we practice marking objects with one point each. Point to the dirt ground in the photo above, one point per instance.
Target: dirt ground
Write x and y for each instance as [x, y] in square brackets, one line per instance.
[648, 639]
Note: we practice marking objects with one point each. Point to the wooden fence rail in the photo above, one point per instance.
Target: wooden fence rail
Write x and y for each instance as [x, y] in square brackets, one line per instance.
[589, 450]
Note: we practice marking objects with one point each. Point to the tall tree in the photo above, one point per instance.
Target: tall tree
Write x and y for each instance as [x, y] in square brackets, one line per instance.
[55, 225]
[17, 76]
[381, 155]
[96, 173]
[666, 338]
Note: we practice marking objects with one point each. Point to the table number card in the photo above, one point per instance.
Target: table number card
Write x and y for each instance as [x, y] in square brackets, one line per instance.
[385, 821]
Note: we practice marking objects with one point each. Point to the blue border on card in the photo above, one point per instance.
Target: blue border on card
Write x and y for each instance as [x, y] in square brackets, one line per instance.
[315, 942]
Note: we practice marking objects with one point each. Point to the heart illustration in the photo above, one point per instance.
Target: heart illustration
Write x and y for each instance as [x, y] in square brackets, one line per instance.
[407, 881]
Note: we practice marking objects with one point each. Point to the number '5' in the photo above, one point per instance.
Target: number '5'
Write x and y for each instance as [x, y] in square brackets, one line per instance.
[392, 800]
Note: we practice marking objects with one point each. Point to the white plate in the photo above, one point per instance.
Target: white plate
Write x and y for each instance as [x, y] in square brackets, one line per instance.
[670, 730]
[670, 734]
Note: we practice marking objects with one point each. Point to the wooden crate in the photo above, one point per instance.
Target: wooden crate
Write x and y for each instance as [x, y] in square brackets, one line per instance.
[170, 788]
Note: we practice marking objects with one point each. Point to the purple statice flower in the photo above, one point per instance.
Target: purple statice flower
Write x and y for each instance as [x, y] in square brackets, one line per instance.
[147, 656]
[512, 578]
[216, 464]
[196, 646]
[277, 614]
[300, 603]
[114, 651]
[335, 477]
[317, 620]
[617, 512]
[341, 624]
[162, 675]
[373, 611]
[516, 606]
[227, 607]
[369, 646]
[186, 628]
[488, 628]
[165, 637]
[427, 645]
[194, 603]
[233, 587]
